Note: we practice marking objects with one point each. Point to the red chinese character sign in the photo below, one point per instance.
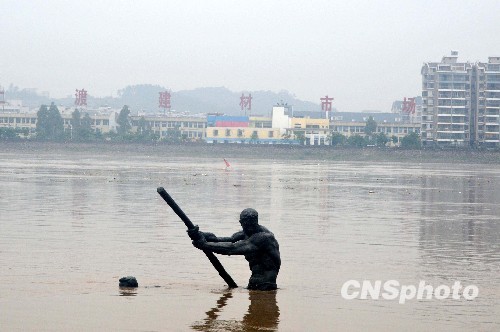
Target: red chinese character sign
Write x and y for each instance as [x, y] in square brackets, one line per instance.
[81, 97]
[408, 105]
[164, 101]
[326, 103]
[246, 102]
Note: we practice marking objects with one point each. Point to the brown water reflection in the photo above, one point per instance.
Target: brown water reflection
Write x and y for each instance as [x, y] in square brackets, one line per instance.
[128, 291]
[262, 314]
[72, 224]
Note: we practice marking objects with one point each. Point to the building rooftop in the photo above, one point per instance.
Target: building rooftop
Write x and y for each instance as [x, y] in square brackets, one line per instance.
[363, 116]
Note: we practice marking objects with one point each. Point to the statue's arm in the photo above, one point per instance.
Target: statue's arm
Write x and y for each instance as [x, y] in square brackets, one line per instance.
[195, 232]
[241, 247]
[211, 237]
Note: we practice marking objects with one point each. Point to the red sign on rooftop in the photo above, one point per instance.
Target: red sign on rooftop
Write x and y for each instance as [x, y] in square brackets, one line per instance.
[326, 103]
[246, 102]
[164, 101]
[408, 105]
[81, 97]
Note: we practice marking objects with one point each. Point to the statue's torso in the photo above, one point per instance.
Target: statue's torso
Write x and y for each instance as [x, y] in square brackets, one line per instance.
[264, 262]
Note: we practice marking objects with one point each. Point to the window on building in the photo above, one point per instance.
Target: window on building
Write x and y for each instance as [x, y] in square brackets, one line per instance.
[492, 67]
[270, 134]
[445, 77]
[460, 77]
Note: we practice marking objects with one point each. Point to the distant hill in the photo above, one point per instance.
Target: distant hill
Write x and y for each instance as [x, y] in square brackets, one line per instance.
[222, 100]
[144, 97]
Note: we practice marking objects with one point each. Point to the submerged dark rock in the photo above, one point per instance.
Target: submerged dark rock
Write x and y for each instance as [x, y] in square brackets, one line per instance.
[128, 282]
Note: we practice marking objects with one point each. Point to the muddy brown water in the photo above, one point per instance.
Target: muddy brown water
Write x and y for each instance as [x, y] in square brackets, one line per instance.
[72, 224]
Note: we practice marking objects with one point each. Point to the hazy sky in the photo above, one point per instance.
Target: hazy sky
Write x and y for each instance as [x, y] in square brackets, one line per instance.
[365, 54]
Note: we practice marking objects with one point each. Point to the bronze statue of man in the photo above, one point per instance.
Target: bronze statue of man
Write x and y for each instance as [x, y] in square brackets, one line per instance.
[255, 242]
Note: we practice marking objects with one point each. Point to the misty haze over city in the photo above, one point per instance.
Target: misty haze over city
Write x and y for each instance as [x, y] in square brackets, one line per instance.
[364, 54]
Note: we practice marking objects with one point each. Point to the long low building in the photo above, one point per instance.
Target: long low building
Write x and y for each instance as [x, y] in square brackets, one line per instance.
[190, 128]
[23, 121]
[390, 129]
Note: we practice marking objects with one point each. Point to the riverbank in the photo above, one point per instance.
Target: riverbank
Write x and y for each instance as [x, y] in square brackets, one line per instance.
[272, 152]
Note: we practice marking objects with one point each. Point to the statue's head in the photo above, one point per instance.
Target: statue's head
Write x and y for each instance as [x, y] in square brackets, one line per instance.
[249, 220]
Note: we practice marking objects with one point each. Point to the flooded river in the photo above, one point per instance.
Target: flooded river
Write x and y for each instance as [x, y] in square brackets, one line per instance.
[72, 224]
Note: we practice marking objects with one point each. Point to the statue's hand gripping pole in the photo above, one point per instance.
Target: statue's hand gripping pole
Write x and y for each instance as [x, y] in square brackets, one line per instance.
[211, 257]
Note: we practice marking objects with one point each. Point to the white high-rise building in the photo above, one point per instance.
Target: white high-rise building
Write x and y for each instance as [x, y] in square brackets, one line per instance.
[461, 102]
[487, 102]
